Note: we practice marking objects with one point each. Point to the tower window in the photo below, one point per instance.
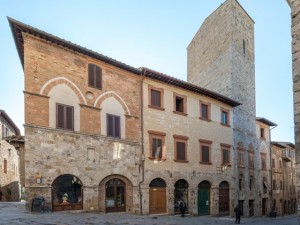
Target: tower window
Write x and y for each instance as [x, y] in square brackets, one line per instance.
[244, 47]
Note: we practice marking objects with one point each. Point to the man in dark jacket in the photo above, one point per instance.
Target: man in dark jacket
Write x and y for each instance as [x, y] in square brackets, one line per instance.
[237, 214]
[182, 207]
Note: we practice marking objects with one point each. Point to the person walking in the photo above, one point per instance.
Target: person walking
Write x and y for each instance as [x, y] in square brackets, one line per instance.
[182, 208]
[237, 214]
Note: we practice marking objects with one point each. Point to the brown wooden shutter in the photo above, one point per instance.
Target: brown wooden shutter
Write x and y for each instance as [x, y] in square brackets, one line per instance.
[60, 116]
[110, 128]
[98, 75]
[91, 75]
[205, 153]
[225, 156]
[117, 127]
[69, 118]
[180, 150]
[155, 98]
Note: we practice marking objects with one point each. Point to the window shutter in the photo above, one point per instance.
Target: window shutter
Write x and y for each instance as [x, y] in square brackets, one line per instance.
[117, 126]
[205, 154]
[225, 156]
[60, 116]
[156, 148]
[69, 118]
[98, 77]
[180, 150]
[91, 75]
[204, 111]
[155, 98]
[110, 128]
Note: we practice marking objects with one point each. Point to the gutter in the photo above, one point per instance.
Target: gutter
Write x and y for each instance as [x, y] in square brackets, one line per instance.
[142, 166]
[271, 170]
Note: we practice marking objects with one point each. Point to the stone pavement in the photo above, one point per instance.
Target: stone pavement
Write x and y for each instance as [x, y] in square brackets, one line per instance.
[15, 214]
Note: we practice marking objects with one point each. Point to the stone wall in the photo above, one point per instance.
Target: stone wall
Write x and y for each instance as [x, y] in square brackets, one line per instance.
[221, 58]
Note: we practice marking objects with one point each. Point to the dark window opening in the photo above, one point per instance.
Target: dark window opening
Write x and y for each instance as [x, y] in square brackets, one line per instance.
[180, 151]
[205, 154]
[156, 148]
[155, 98]
[179, 104]
[224, 118]
[95, 76]
[64, 117]
[204, 111]
[113, 126]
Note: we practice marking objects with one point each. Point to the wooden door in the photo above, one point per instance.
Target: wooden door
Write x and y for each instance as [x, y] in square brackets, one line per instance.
[224, 201]
[157, 200]
[203, 201]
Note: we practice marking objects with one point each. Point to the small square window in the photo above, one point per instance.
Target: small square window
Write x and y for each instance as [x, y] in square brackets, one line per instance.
[262, 133]
[204, 111]
[95, 76]
[155, 97]
[157, 141]
[64, 117]
[205, 148]
[179, 104]
[225, 117]
[180, 148]
[113, 126]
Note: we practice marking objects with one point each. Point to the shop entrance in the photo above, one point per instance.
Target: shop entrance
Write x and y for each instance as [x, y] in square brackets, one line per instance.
[115, 196]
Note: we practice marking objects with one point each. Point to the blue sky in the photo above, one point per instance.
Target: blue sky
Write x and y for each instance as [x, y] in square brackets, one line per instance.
[153, 34]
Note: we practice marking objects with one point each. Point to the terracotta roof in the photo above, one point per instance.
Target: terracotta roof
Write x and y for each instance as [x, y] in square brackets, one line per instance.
[18, 28]
[265, 121]
[282, 144]
[10, 121]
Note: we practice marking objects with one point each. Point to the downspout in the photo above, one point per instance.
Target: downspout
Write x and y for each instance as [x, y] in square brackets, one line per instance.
[271, 169]
[142, 167]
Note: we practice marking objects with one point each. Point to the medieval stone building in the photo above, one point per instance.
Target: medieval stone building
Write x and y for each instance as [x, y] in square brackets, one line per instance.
[283, 178]
[102, 135]
[9, 160]
[295, 17]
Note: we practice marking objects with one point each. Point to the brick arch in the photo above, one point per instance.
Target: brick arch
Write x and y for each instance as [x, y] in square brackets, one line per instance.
[128, 190]
[62, 80]
[101, 98]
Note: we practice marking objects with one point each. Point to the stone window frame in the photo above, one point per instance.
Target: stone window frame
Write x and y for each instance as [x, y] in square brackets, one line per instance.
[182, 139]
[227, 119]
[205, 143]
[157, 135]
[225, 147]
[161, 90]
[208, 118]
[241, 157]
[65, 116]
[263, 157]
[262, 133]
[251, 159]
[184, 102]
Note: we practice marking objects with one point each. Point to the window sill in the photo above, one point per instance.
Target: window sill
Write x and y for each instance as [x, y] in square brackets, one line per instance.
[157, 159]
[181, 161]
[225, 125]
[205, 119]
[206, 163]
[180, 113]
[156, 107]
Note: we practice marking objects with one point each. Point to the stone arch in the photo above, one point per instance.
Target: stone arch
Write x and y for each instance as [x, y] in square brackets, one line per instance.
[62, 80]
[128, 192]
[67, 193]
[109, 94]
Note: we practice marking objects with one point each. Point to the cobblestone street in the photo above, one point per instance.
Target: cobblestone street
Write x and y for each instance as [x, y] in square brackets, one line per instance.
[14, 213]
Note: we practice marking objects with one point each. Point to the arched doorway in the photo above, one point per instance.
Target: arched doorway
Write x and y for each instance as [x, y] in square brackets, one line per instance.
[67, 193]
[115, 195]
[204, 198]
[180, 193]
[157, 196]
[285, 207]
[224, 198]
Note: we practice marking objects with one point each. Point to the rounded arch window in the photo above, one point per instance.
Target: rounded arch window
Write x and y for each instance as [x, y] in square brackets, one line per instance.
[224, 184]
[204, 185]
[158, 182]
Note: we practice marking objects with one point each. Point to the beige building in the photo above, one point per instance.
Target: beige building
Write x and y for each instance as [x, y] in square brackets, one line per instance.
[283, 178]
[9, 160]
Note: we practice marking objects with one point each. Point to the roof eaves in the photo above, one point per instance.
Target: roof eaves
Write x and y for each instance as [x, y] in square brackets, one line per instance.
[10, 121]
[18, 27]
[185, 85]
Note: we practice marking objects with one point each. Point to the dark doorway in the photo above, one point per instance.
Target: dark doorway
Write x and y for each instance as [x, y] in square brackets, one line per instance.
[180, 193]
[67, 193]
[204, 198]
[115, 196]
[224, 198]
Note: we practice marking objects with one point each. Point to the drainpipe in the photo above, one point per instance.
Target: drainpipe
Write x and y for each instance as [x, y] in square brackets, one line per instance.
[271, 169]
[142, 167]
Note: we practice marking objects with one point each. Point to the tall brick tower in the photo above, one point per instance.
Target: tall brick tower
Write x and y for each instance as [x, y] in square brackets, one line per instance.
[221, 59]
[295, 16]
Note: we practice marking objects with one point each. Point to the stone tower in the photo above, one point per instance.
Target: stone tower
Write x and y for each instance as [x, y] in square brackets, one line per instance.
[221, 59]
[295, 16]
